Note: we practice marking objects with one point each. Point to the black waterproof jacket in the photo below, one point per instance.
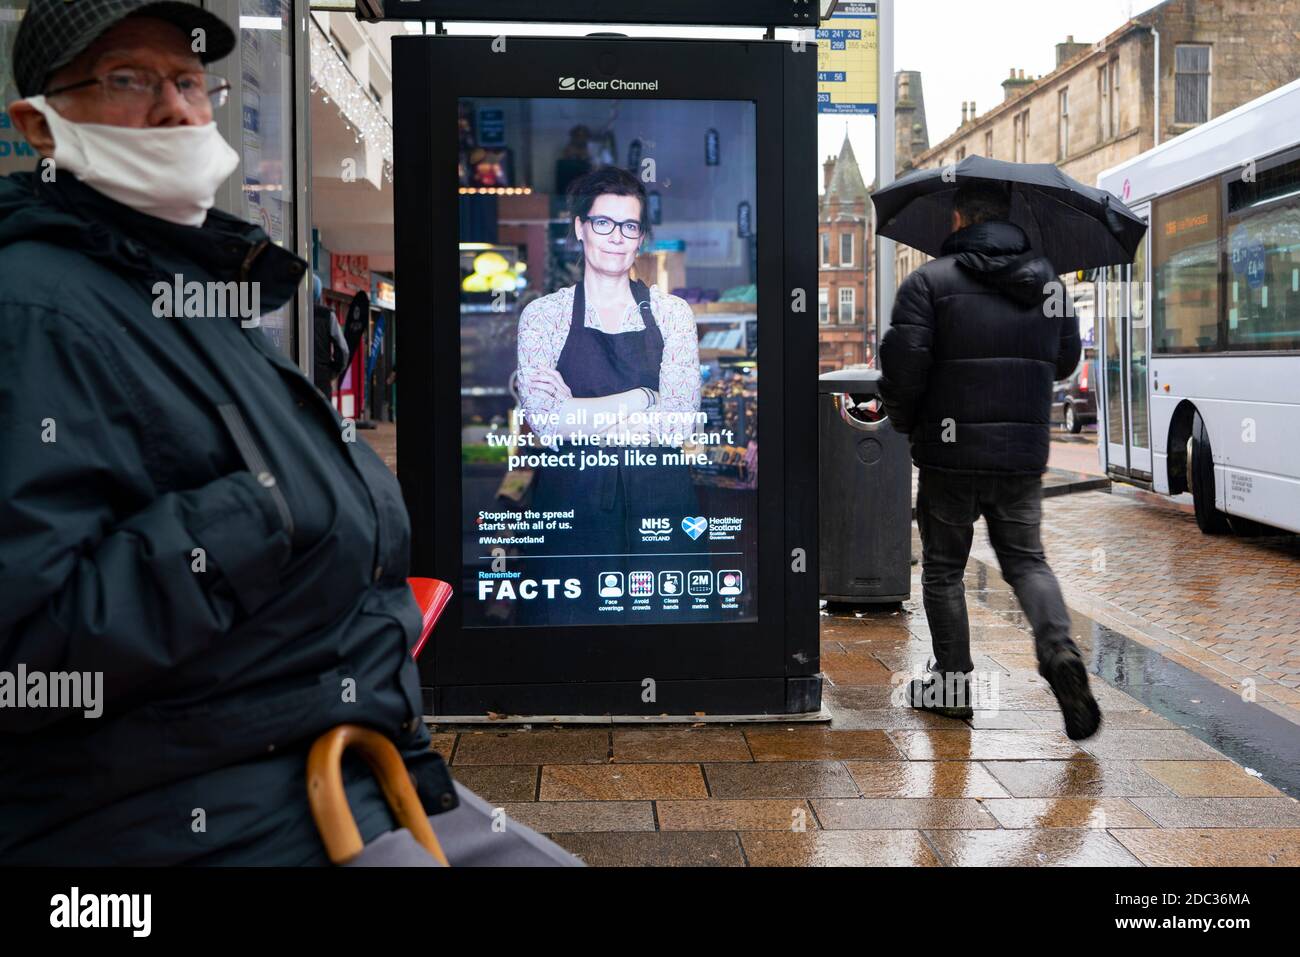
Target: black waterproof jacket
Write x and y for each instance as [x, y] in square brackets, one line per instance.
[977, 337]
[180, 511]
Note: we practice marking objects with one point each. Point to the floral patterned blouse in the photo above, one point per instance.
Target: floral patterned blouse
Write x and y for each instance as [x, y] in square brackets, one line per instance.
[544, 328]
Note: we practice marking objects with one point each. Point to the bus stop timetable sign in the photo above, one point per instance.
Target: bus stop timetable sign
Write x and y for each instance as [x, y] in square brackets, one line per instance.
[847, 79]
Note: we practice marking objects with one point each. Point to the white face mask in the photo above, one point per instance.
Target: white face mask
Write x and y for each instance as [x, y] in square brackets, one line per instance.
[171, 172]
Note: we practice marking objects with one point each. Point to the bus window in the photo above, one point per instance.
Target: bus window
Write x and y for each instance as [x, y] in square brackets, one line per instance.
[1263, 231]
[1185, 260]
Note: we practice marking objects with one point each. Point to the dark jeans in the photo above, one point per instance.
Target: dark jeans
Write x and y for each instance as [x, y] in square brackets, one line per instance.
[947, 506]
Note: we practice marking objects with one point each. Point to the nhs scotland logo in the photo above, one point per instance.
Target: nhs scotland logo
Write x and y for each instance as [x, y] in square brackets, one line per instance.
[695, 527]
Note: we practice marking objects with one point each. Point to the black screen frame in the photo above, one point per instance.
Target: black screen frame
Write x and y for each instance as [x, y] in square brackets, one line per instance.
[718, 667]
[758, 13]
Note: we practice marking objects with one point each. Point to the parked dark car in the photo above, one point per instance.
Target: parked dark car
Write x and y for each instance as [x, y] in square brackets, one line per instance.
[1077, 395]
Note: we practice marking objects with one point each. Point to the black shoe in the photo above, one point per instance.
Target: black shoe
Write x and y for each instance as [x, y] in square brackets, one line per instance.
[1068, 677]
[950, 698]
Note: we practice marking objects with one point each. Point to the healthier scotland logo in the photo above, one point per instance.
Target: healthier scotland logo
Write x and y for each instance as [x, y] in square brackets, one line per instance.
[695, 526]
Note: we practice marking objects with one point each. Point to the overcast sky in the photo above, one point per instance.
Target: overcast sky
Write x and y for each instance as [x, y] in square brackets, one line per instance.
[965, 50]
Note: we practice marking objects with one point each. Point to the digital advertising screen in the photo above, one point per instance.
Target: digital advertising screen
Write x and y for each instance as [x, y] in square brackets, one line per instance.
[608, 361]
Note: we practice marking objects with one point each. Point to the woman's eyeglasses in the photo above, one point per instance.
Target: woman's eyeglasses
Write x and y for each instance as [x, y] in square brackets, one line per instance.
[603, 226]
[144, 87]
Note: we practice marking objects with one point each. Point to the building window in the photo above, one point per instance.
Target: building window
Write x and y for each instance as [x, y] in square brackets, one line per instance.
[1020, 137]
[846, 249]
[1191, 83]
[961, 153]
[988, 144]
[1114, 96]
[1063, 124]
[847, 317]
[824, 306]
[1103, 104]
[826, 249]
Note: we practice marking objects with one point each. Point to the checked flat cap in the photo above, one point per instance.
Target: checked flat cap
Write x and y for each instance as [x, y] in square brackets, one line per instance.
[54, 32]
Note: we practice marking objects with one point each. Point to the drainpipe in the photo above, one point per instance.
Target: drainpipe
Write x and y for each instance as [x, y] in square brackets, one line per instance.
[1156, 34]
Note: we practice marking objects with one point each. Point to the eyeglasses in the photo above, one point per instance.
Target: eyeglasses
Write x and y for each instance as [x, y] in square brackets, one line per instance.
[144, 87]
[603, 226]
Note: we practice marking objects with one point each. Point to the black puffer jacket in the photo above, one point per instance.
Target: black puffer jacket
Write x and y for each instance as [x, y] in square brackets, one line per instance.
[977, 338]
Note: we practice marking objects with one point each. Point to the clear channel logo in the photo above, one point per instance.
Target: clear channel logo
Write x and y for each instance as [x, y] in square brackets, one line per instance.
[572, 84]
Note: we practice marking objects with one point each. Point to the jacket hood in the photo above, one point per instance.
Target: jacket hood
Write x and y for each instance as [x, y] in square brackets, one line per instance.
[69, 213]
[998, 255]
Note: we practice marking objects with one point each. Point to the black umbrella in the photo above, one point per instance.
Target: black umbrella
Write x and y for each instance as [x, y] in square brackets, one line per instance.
[1074, 226]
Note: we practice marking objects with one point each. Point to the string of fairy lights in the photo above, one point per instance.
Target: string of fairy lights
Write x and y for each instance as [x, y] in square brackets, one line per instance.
[333, 80]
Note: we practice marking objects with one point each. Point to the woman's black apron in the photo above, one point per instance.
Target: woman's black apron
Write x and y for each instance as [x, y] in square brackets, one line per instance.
[610, 503]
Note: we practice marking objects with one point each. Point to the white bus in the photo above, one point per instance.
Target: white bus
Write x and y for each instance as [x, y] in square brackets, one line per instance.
[1199, 341]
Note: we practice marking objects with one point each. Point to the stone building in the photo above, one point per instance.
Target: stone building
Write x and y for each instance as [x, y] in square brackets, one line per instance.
[1097, 108]
[845, 249]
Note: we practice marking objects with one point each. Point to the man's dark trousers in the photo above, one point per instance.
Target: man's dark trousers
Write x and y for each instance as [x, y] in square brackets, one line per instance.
[947, 507]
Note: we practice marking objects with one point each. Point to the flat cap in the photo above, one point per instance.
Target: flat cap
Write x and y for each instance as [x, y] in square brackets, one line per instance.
[54, 32]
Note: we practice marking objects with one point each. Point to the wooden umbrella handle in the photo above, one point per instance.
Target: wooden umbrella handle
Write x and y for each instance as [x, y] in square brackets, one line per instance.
[329, 802]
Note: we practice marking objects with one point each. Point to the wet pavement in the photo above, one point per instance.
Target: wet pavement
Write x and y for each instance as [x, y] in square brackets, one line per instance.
[884, 785]
[1224, 607]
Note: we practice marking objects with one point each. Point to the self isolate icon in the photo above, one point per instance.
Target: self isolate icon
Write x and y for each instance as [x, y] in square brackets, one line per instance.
[730, 582]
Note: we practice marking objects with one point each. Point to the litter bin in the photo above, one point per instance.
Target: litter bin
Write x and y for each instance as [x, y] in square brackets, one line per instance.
[865, 491]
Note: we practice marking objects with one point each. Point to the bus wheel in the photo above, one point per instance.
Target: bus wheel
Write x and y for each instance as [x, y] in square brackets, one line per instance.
[1200, 480]
[1072, 423]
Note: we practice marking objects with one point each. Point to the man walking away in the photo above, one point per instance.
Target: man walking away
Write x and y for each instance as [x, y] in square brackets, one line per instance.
[968, 365]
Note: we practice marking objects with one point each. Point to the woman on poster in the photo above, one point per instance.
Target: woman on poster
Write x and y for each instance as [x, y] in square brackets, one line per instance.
[611, 365]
